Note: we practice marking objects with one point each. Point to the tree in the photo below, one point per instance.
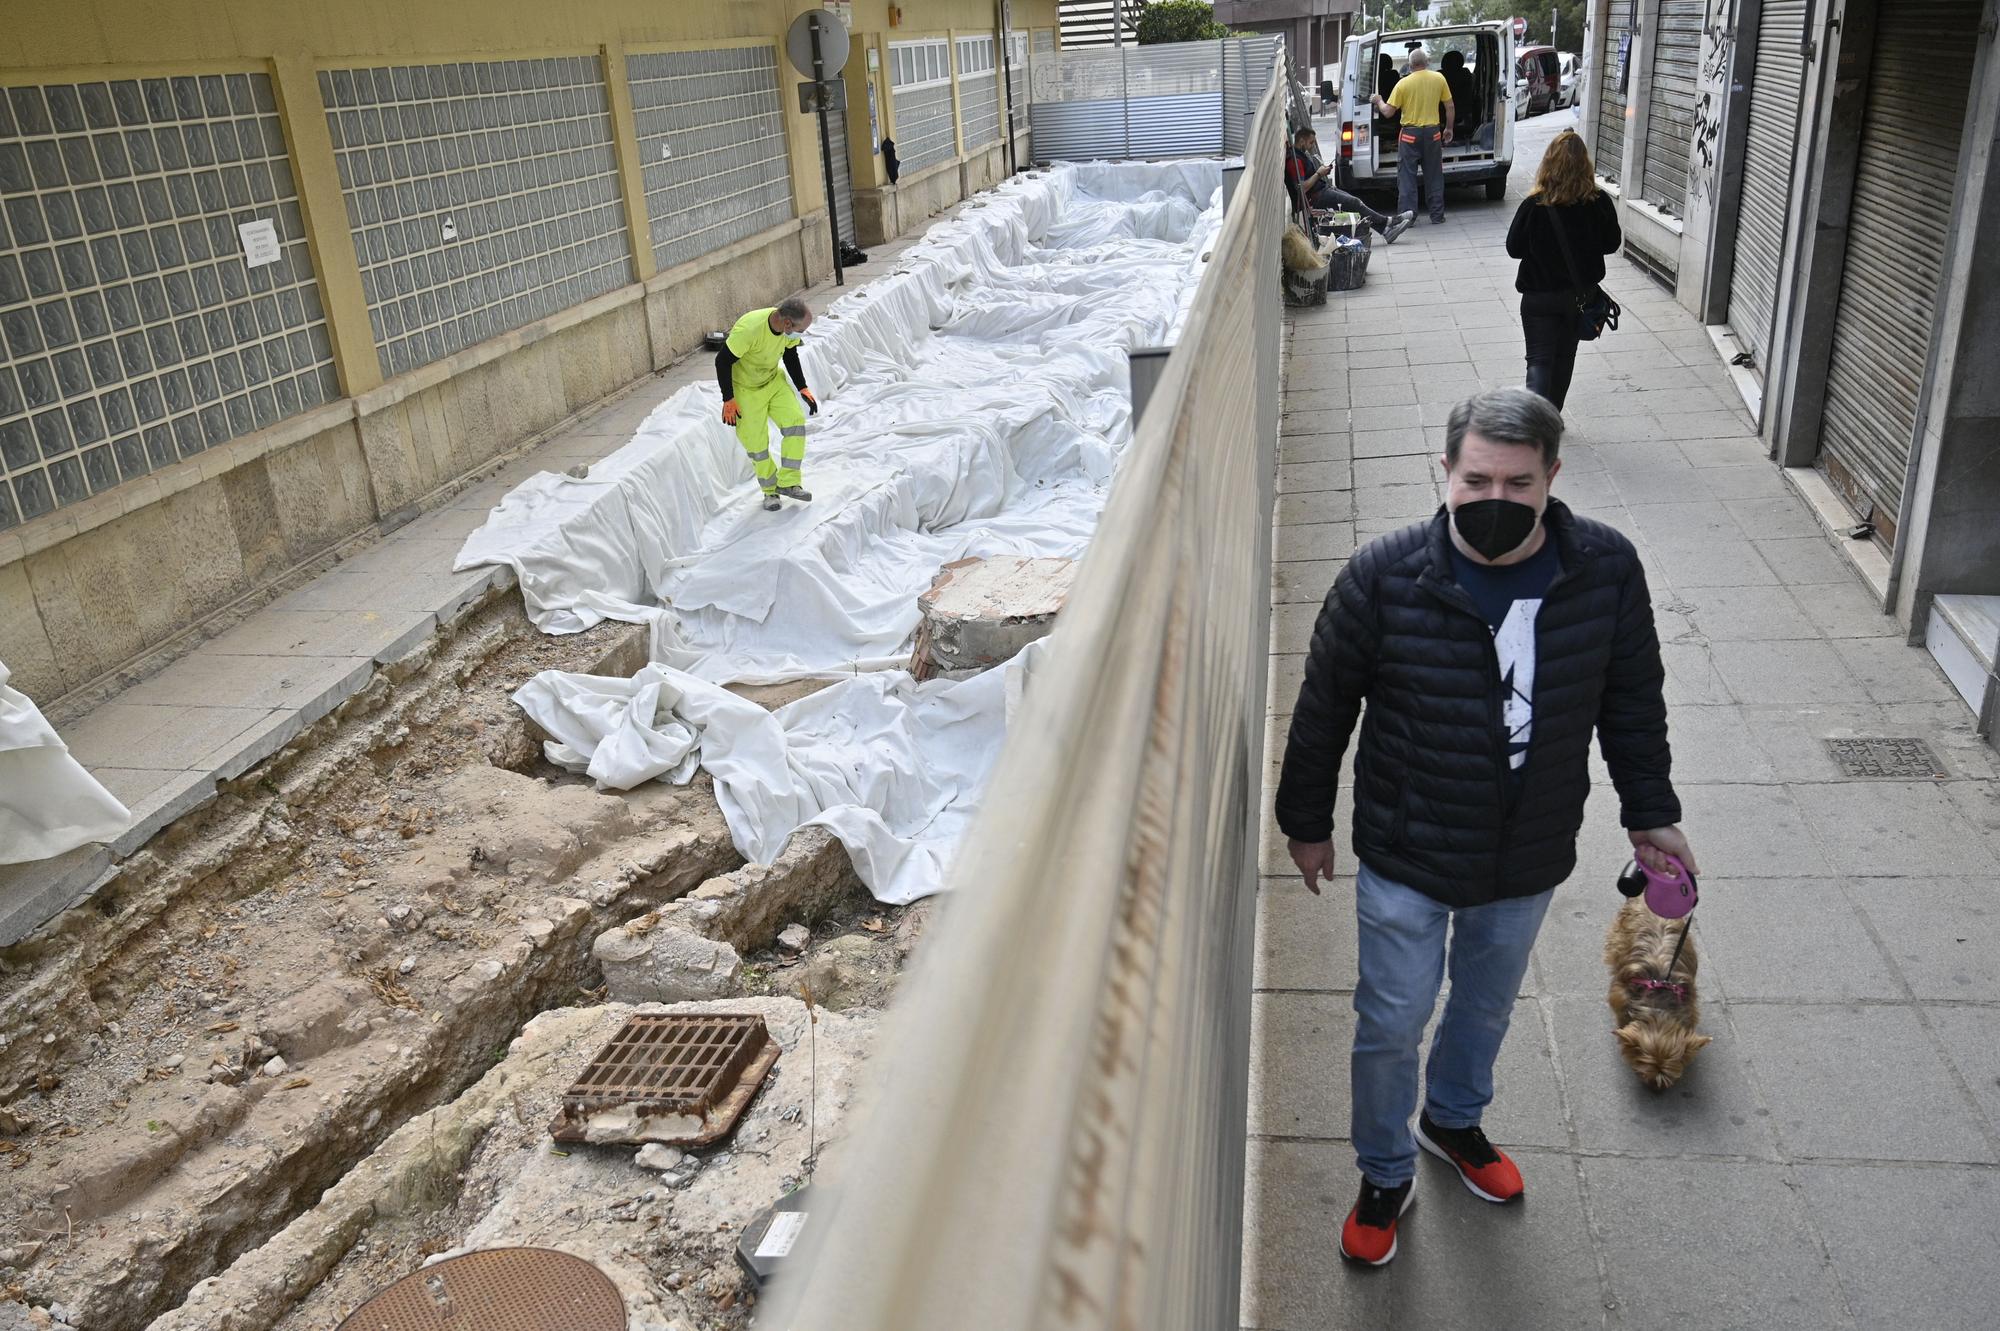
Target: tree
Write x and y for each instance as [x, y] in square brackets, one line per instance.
[1180, 21]
[1398, 14]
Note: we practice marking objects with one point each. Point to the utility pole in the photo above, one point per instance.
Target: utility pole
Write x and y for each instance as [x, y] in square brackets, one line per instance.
[1553, 13]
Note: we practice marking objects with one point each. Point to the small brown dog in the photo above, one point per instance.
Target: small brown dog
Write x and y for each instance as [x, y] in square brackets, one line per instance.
[1656, 1013]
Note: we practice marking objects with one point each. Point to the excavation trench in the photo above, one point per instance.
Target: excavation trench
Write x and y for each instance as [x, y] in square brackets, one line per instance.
[350, 934]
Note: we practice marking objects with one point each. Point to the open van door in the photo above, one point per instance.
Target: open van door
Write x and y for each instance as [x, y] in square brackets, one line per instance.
[1483, 147]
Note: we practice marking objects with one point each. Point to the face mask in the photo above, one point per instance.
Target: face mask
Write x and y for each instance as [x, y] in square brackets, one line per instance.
[1495, 527]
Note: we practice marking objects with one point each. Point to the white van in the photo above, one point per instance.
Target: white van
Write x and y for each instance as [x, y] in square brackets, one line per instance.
[1482, 146]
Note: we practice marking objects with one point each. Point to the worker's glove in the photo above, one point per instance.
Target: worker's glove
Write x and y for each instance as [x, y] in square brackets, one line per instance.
[729, 412]
[812, 403]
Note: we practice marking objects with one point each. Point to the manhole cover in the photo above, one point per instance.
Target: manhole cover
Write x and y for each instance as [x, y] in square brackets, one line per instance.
[684, 1080]
[500, 1289]
[1899, 759]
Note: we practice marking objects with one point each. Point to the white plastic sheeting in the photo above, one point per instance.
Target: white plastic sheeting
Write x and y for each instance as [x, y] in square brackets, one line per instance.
[974, 403]
[891, 767]
[49, 804]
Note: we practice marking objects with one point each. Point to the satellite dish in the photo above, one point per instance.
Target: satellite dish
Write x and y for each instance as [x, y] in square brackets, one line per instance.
[832, 43]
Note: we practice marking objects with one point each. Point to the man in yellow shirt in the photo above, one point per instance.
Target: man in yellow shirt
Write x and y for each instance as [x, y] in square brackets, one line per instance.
[1422, 100]
[755, 396]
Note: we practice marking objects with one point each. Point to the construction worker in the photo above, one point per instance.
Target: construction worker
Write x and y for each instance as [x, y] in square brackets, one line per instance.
[755, 396]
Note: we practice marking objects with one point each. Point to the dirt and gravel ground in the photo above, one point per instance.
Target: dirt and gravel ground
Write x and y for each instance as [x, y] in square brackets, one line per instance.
[352, 934]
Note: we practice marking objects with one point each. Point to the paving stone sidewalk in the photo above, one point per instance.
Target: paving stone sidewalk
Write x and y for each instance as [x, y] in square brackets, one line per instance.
[1833, 1159]
[214, 713]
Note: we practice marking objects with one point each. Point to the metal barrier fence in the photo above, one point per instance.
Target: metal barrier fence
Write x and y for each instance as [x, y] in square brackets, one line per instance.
[1057, 1131]
[1185, 99]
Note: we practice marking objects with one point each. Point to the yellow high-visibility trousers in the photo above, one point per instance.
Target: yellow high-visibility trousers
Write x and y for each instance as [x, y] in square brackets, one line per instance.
[773, 403]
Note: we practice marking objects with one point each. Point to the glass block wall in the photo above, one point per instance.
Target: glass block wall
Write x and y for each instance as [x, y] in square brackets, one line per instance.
[482, 196]
[712, 147]
[920, 89]
[134, 331]
[978, 91]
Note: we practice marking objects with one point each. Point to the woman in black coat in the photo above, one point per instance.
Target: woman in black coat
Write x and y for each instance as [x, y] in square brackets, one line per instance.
[1566, 196]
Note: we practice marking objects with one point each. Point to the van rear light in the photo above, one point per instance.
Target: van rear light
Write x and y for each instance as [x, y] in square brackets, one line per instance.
[1347, 139]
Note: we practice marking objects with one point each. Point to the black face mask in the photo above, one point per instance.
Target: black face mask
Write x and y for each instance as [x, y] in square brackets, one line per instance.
[1495, 527]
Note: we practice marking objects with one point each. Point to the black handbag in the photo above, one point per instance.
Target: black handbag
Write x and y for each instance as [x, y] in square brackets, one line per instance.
[1595, 310]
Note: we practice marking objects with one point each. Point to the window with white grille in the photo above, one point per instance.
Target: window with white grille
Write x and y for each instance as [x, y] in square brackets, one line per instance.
[919, 64]
[483, 196]
[135, 331]
[975, 56]
[712, 147]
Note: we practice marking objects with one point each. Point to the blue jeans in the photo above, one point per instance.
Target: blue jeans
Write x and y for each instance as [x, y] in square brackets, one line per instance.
[1402, 966]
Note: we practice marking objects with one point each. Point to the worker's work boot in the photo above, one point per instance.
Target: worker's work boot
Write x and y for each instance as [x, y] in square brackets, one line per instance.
[798, 492]
[771, 503]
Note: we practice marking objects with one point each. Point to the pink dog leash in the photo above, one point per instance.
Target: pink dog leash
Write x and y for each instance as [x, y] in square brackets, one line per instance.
[1671, 896]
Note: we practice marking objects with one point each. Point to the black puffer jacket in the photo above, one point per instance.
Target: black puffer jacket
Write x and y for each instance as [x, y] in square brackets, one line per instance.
[1433, 805]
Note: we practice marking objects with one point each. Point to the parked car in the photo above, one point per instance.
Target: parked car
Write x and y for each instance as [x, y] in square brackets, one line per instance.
[1540, 69]
[1482, 150]
[1569, 83]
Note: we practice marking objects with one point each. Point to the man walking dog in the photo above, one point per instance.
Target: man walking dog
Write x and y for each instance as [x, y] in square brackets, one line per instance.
[1488, 643]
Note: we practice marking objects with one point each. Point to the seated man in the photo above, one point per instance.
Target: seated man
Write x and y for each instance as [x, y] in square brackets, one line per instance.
[1459, 79]
[1307, 177]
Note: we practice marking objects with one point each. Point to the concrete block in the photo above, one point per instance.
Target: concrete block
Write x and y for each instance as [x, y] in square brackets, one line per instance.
[1299, 1046]
[1305, 941]
[1805, 1060]
[310, 685]
[159, 737]
[1309, 477]
[33, 894]
[1701, 1243]
[1942, 934]
[1460, 1263]
[1306, 580]
[168, 797]
[1914, 1247]
[1316, 541]
[31, 662]
[274, 731]
[1713, 1110]
[382, 635]
[978, 613]
[1894, 828]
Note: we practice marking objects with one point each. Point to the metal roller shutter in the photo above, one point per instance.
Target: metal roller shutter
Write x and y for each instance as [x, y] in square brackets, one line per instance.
[1762, 215]
[843, 177]
[1611, 101]
[1676, 55]
[1918, 92]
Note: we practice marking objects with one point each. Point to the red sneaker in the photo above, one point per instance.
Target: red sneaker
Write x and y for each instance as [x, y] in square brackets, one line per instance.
[1484, 1169]
[1370, 1232]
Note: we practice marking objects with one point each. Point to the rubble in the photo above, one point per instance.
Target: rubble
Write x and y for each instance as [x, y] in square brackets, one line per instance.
[661, 963]
[480, 1172]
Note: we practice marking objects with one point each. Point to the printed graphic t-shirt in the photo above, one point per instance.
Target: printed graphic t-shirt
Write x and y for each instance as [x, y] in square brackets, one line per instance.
[1509, 598]
[757, 349]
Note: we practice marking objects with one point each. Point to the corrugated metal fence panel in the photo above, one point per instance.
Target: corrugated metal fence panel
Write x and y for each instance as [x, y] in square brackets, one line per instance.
[1761, 219]
[1676, 58]
[1611, 101]
[1918, 92]
[979, 106]
[1147, 101]
[925, 134]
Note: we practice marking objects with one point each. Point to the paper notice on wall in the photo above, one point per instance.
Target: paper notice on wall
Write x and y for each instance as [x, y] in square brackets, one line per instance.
[782, 1235]
[840, 9]
[260, 242]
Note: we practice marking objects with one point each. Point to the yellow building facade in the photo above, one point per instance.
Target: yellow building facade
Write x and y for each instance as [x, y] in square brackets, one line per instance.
[275, 278]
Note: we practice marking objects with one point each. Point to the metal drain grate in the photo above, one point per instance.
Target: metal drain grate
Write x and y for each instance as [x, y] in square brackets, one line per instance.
[1886, 759]
[678, 1079]
[499, 1289]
